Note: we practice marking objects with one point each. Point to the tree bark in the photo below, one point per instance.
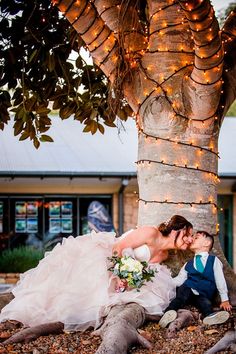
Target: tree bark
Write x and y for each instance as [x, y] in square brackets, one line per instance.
[28, 334]
[226, 342]
[119, 331]
[5, 298]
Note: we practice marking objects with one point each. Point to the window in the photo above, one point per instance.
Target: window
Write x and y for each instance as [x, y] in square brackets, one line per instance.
[42, 221]
[26, 215]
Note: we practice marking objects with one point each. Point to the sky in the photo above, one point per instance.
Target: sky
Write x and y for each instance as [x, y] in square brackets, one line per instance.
[220, 4]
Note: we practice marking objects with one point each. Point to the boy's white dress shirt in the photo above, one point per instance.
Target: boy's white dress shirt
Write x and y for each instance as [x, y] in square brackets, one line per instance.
[218, 274]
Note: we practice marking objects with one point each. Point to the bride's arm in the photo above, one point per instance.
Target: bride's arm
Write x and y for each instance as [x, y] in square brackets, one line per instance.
[134, 239]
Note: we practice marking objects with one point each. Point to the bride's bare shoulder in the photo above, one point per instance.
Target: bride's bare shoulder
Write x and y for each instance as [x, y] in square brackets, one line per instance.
[148, 228]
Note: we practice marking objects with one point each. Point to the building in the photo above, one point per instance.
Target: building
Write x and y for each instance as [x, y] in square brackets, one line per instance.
[45, 193]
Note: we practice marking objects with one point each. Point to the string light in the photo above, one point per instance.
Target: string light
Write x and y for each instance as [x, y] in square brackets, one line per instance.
[200, 18]
[166, 201]
[185, 166]
[164, 91]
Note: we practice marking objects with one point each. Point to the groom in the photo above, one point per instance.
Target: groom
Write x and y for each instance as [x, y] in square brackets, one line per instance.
[198, 281]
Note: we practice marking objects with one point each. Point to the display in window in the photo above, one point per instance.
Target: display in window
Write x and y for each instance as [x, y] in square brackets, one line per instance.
[54, 209]
[66, 208]
[1, 209]
[32, 225]
[20, 225]
[66, 225]
[32, 208]
[54, 226]
[20, 208]
[98, 217]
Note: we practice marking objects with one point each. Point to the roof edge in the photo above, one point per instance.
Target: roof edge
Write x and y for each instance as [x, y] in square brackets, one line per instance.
[59, 174]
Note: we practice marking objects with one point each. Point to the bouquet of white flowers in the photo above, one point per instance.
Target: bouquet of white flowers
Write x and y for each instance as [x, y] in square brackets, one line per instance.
[133, 272]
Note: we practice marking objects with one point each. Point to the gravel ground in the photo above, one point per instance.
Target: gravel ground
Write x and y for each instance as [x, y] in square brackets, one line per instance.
[195, 339]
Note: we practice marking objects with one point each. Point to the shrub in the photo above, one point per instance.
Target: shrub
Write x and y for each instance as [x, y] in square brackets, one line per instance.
[18, 260]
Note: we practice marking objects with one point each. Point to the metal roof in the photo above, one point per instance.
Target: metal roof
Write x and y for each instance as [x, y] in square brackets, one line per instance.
[227, 148]
[74, 153]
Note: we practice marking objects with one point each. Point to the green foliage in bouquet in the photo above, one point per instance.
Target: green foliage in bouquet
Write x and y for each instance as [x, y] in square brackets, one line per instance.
[135, 273]
[18, 260]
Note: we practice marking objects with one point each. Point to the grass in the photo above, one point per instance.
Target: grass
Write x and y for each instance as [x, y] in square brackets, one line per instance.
[20, 259]
[232, 110]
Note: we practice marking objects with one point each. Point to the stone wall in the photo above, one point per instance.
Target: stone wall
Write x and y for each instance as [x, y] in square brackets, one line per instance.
[130, 211]
[9, 278]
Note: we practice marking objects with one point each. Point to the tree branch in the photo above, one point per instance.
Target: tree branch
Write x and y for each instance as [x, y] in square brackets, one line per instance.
[123, 19]
[209, 54]
[97, 36]
[229, 41]
[205, 81]
[169, 29]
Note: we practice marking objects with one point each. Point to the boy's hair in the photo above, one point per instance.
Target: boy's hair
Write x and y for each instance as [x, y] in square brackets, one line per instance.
[209, 237]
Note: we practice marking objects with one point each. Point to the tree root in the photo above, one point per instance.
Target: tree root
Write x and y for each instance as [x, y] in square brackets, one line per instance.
[184, 318]
[10, 325]
[119, 331]
[227, 342]
[5, 298]
[28, 334]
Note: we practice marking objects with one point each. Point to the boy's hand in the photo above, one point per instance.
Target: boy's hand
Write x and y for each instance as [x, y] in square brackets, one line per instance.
[225, 305]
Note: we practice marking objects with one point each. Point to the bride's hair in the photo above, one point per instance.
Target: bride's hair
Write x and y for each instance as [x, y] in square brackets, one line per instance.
[177, 222]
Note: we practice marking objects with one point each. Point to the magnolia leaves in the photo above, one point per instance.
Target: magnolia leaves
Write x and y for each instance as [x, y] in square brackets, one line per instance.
[42, 73]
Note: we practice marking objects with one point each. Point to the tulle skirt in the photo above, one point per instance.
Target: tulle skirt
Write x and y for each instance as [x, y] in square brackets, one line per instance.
[72, 285]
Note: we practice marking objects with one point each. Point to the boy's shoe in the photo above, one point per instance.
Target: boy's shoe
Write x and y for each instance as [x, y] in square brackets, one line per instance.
[216, 318]
[167, 318]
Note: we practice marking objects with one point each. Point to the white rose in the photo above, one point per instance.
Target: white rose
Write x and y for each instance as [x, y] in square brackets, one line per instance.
[131, 265]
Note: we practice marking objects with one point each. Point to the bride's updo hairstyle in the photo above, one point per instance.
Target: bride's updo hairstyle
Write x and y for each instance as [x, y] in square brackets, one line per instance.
[176, 223]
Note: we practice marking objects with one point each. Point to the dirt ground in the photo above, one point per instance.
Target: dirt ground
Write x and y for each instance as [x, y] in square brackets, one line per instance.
[195, 339]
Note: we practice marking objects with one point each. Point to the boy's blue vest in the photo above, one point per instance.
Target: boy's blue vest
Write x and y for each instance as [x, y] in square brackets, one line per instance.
[204, 282]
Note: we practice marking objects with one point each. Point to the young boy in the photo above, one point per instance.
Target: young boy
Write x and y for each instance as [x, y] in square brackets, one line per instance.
[198, 281]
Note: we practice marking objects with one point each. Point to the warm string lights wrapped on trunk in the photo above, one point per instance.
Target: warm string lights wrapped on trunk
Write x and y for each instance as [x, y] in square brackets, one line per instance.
[129, 41]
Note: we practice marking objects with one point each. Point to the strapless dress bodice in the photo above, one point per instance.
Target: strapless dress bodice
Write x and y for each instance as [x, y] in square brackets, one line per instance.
[142, 253]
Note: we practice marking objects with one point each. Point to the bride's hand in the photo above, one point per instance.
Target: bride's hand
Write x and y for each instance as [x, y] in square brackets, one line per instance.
[121, 285]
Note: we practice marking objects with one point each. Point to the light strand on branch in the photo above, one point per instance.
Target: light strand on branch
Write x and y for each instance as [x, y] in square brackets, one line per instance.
[167, 26]
[160, 86]
[163, 8]
[211, 67]
[204, 84]
[216, 36]
[196, 20]
[78, 17]
[185, 166]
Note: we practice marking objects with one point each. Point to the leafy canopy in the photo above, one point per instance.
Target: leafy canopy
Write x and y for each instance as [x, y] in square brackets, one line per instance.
[38, 76]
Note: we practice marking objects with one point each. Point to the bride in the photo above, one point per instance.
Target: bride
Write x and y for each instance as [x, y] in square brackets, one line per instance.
[72, 285]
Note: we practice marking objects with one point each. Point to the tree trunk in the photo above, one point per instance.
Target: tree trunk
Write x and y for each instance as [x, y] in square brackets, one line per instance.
[179, 179]
[168, 59]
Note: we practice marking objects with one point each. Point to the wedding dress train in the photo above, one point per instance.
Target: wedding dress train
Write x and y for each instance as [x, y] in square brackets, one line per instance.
[71, 284]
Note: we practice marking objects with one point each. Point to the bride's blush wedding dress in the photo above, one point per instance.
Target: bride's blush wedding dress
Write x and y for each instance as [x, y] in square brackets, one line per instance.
[72, 285]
